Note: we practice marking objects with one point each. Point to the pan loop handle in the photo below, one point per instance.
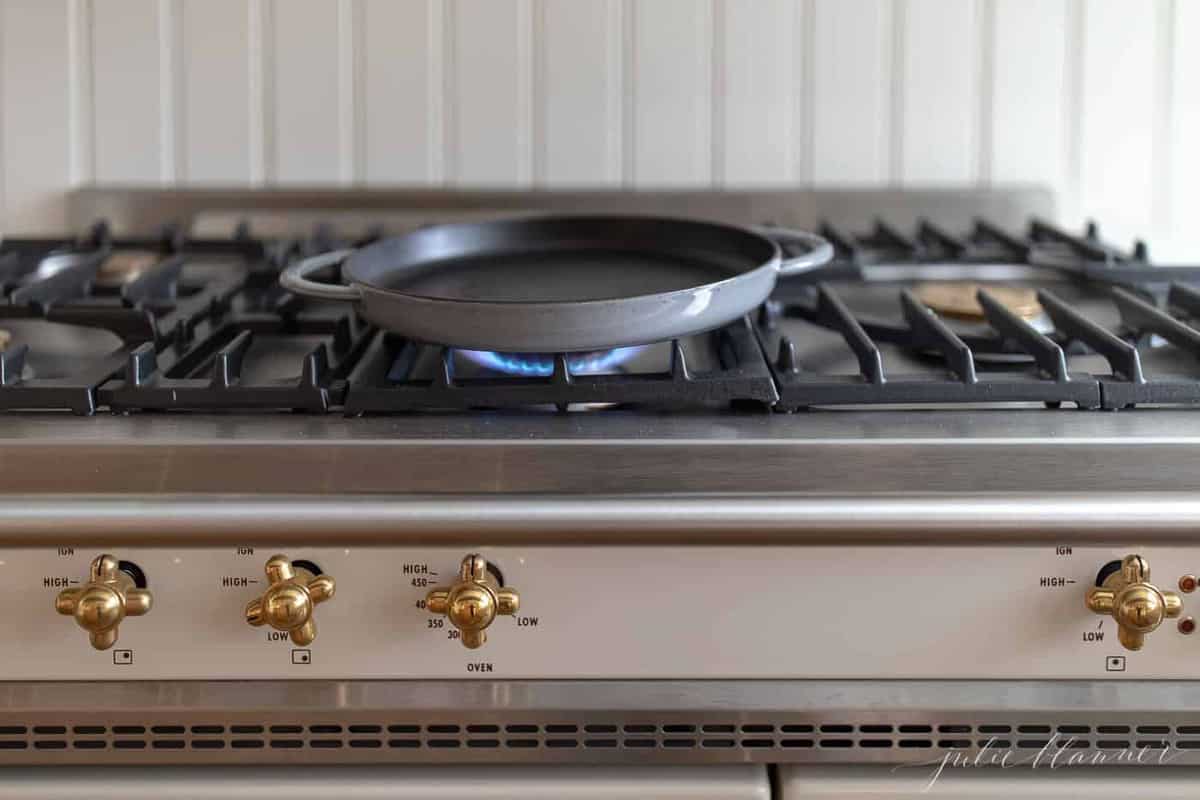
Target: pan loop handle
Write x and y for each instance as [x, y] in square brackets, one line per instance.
[815, 250]
[295, 278]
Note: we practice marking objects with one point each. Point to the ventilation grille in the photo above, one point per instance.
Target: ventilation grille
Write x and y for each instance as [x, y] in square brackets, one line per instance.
[826, 741]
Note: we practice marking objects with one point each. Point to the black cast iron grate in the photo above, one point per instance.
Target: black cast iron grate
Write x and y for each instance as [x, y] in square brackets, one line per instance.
[199, 365]
[144, 310]
[185, 342]
[171, 329]
[384, 381]
[1152, 302]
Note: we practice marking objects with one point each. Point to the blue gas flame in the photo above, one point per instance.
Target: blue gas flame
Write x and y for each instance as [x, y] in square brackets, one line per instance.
[534, 365]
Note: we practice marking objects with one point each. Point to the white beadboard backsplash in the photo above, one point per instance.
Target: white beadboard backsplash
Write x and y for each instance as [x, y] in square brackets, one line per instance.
[1098, 98]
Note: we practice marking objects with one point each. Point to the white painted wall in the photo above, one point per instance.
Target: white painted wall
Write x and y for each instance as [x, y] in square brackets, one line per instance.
[1099, 98]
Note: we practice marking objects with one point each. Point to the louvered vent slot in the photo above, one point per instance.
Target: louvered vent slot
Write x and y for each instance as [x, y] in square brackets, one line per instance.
[760, 740]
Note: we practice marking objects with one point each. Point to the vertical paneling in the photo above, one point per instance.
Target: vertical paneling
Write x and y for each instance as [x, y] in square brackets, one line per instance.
[579, 86]
[80, 98]
[402, 90]
[759, 91]
[492, 73]
[851, 76]
[1099, 99]
[1184, 164]
[214, 110]
[670, 71]
[34, 113]
[305, 120]
[1029, 92]
[938, 105]
[350, 67]
[130, 140]
[1116, 126]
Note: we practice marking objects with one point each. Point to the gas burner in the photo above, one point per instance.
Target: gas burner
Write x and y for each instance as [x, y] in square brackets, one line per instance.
[714, 369]
[959, 299]
[595, 362]
[125, 266]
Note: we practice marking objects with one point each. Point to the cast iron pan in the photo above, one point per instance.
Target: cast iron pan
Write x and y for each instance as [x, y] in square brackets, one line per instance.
[561, 284]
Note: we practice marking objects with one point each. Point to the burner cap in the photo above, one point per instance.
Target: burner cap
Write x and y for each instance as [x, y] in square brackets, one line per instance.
[957, 299]
[55, 263]
[124, 266]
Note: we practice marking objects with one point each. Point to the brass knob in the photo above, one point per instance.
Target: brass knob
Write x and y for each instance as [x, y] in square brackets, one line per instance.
[1137, 605]
[473, 601]
[288, 603]
[109, 596]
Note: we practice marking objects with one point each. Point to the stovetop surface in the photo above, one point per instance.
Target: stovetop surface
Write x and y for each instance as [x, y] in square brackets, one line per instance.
[193, 354]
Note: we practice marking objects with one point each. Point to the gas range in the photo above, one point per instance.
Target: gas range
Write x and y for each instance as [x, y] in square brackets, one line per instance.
[886, 520]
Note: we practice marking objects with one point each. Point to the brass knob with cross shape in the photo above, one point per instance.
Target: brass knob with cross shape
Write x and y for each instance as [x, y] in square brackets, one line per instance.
[110, 595]
[288, 603]
[472, 602]
[1137, 605]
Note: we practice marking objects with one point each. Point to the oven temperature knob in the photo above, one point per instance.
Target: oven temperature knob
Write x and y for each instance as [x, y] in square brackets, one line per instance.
[473, 601]
[110, 595]
[288, 603]
[1137, 605]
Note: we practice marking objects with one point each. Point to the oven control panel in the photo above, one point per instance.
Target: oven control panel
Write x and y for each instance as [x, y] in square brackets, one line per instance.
[971, 612]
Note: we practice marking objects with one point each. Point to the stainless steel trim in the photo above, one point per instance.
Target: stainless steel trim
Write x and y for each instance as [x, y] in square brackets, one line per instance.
[186, 521]
[461, 699]
[146, 209]
[883, 452]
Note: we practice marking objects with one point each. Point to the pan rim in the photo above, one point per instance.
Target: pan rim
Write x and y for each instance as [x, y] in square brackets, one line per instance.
[770, 264]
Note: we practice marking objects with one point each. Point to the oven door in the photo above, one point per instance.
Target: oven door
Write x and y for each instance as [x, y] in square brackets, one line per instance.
[1047, 779]
[394, 783]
